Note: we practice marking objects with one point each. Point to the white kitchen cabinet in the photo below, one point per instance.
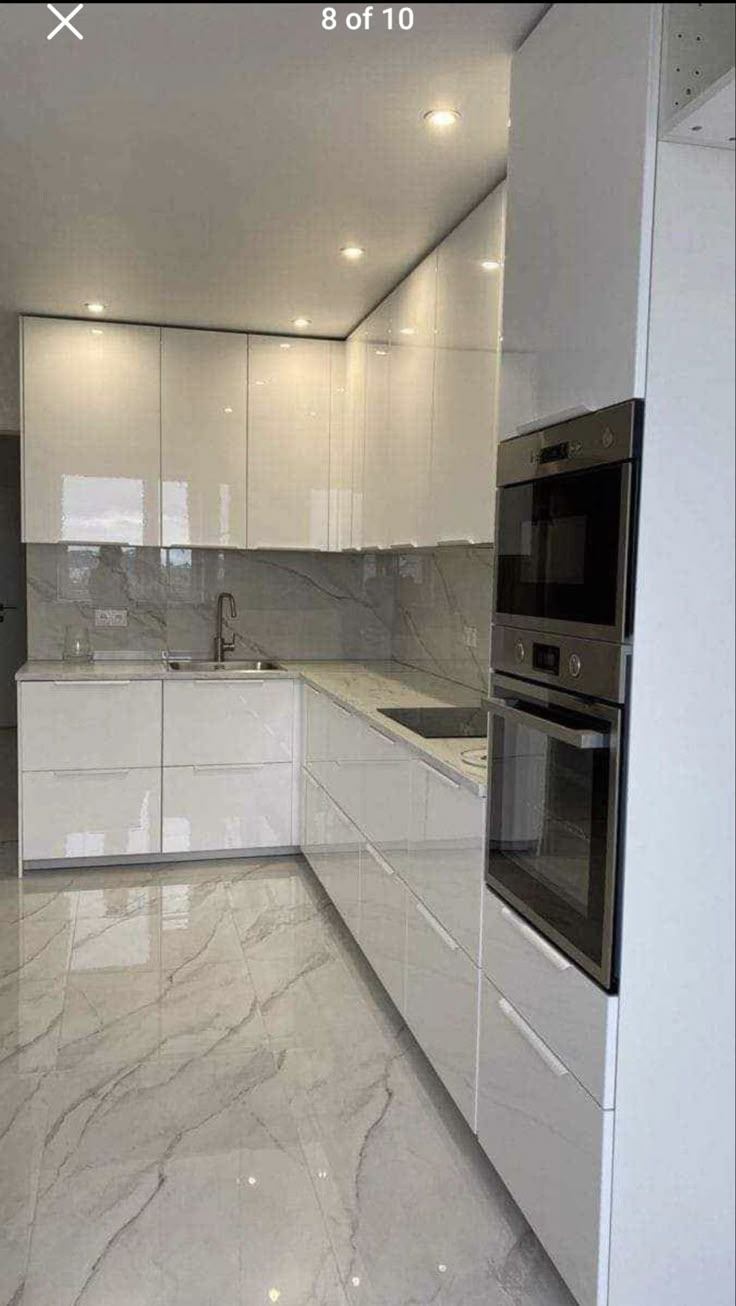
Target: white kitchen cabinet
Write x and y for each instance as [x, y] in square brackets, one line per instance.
[383, 906]
[411, 378]
[550, 1142]
[332, 844]
[580, 203]
[376, 490]
[228, 722]
[204, 398]
[340, 512]
[355, 372]
[445, 858]
[89, 724]
[572, 1014]
[91, 432]
[214, 808]
[442, 1004]
[70, 815]
[469, 294]
[289, 407]
[334, 751]
[385, 777]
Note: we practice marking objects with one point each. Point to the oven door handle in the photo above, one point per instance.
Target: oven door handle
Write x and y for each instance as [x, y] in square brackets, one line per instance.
[576, 738]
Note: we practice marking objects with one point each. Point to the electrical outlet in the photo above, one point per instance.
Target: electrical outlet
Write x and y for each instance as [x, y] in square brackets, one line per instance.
[470, 636]
[111, 617]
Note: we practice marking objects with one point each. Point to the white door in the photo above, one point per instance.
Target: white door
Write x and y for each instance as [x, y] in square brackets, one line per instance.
[12, 597]
[204, 398]
[91, 432]
[288, 443]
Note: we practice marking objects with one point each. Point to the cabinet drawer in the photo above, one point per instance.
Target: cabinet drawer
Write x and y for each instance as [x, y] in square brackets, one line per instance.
[207, 722]
[550, 1142]
[334, 751]
[75, 814]
[442, 1004]
[386, 777]
[211, 808]
[383, 922]
[90, 725]
[331, 845]
[445, 859]
[575, 1017]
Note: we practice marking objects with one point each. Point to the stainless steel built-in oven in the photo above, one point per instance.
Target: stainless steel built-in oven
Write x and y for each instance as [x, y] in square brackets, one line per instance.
[566, 509]
[553, 798]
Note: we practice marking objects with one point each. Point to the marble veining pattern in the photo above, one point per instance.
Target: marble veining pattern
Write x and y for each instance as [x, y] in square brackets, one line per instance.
[207, 1099]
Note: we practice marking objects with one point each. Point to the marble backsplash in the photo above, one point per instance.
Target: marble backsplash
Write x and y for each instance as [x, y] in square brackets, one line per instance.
[442, 612]
[424, 608]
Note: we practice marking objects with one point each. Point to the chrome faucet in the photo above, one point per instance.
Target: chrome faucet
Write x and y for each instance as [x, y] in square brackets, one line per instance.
[222, 645]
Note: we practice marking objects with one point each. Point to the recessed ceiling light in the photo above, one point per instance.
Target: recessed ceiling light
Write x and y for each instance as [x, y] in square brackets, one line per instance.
[284, 345]
[352, 253]
[381, 353]
[96, 331]
[406, 331]
[442, 117]
[490, 264]
[94, 306]
[301, 322]
[227, 410]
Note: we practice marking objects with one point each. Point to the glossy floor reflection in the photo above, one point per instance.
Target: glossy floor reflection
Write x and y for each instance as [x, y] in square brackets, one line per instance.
[206, 1099]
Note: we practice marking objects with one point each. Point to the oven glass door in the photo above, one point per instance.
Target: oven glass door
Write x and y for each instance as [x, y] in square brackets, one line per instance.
[561, 551]
[553, 817]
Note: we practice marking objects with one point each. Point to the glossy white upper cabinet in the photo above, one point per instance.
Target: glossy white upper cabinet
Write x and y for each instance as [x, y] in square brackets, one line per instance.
[341, 456]
[355, 356]
[289, 403]
[469, 293]
[411, 379]
[377, 491]
[204, 377]
[580, 202]
[91, 432]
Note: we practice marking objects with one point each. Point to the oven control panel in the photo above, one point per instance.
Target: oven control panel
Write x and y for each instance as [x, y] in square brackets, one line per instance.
[586, 666]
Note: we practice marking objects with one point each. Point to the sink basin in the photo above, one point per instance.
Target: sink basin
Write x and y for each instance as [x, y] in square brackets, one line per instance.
[202, 665]
[441, 722]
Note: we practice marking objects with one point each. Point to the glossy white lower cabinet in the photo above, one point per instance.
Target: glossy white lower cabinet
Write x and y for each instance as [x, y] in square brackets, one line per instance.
[442, 1004]
[386, 787]
[445, 861]
[334, 751]
[331, 844]
[383, 922]
[228, 721]
[217, 807]
[89, 725]
[91, 813]
[572, 1014]
[550, 1142]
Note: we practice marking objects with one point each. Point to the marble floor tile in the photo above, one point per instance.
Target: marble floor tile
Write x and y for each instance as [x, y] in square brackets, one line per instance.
[207, 1098]
[30, 1021]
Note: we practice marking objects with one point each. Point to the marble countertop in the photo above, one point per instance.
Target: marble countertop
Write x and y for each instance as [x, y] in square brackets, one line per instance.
[364, 687]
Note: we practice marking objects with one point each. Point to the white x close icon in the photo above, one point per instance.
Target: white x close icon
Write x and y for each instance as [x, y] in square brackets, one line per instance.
[65, 22]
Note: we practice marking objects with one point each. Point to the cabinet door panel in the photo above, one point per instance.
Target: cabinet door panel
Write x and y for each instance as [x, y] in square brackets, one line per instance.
[203, 438]
[288, 443]
[377, 490]
[91, 432]
[332, 846]
[383, 922]
[580, 204]
[76, 814]
[411, 379]
[208, 722]
[445, 859]
[215, 808]
[80, 725]
[550, 1142]
[442, 1004]
[469, 280]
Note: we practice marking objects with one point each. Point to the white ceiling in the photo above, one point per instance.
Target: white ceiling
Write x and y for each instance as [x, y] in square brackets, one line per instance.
[203, 163]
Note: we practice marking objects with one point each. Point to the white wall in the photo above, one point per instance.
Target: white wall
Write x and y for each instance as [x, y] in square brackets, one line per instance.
[673, 1220]
[9, 374]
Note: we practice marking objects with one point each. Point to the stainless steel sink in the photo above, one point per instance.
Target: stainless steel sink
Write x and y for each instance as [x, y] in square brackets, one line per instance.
[204, 666]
